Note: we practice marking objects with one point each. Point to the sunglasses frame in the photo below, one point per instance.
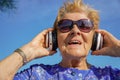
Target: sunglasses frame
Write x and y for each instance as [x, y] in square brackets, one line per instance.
[80, 24]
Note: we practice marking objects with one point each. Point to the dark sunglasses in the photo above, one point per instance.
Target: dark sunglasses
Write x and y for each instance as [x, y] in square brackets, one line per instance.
[84, 25]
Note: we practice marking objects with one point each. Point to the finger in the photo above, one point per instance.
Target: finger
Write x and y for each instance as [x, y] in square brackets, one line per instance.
[52, 52]
[103, 51]
[44, 52]
[104, 32]
[40, 38]
[108, 37]
[43, 33]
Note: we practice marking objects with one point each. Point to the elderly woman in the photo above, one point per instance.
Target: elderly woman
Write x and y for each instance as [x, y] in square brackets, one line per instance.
[75, 27]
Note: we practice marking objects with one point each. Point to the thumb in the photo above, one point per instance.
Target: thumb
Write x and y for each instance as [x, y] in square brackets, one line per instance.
[52, 52]
[103, 51]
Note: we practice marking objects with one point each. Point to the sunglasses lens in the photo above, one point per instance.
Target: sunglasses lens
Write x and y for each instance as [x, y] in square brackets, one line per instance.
[85, 25]
[65, 25]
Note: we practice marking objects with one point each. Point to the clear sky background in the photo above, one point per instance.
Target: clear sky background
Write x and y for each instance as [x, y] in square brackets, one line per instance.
[20, 26]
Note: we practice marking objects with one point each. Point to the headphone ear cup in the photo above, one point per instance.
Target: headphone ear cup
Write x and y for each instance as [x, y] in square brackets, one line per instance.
[54, 40]
[94, 42]
[97, 42]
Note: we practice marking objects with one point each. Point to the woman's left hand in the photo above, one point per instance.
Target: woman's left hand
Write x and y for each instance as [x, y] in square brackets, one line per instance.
[111, 45]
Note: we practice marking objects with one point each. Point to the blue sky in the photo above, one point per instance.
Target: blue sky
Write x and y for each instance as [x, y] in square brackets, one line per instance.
[20, 26]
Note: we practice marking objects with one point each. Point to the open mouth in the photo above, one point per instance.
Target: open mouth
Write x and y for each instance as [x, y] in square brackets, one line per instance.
[74, 42]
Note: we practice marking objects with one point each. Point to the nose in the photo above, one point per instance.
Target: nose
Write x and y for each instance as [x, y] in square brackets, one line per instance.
[75, 30]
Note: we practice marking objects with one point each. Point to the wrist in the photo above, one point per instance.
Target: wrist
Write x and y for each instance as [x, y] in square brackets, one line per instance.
[28, 52]
[22, 54]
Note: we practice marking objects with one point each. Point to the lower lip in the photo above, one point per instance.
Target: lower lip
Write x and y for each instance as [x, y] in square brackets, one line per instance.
[74, 45]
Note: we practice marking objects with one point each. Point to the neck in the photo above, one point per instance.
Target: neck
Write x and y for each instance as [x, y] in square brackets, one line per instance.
[79, 64]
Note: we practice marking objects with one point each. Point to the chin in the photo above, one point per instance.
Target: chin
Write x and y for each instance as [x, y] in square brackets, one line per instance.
[76, 53]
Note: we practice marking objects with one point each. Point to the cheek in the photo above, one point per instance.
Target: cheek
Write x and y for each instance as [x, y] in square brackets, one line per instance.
[88, 40]
[90, 44]
[61, 40]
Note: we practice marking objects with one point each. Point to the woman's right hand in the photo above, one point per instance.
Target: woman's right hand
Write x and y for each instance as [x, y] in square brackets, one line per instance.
[34, 49]
[37, 47]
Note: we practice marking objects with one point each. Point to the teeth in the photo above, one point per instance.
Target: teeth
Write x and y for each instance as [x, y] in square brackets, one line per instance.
[74, 42]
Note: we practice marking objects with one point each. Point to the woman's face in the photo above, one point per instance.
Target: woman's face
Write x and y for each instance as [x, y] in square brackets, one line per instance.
[75, 43]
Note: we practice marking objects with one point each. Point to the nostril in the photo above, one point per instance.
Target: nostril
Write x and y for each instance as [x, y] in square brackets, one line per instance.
[78, 33]
[72, 33]
[75, 33]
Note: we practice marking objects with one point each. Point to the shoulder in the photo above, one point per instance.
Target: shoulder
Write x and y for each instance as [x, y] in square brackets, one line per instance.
[35, 71]
[106, 71]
